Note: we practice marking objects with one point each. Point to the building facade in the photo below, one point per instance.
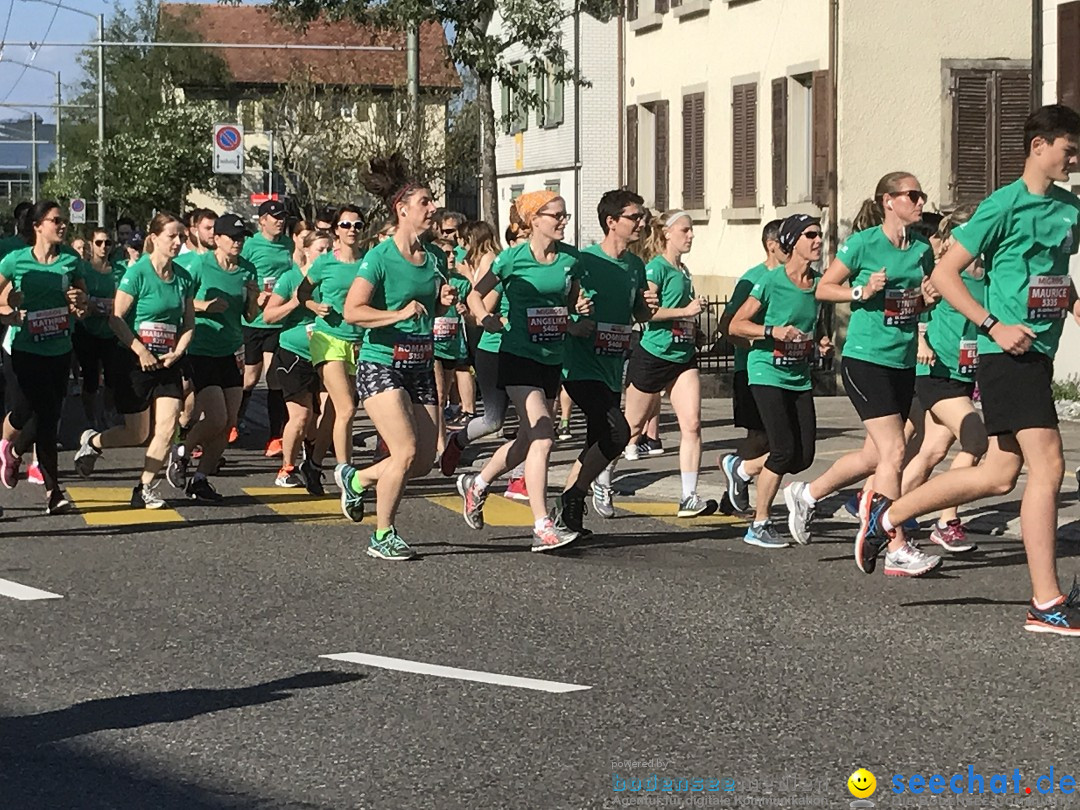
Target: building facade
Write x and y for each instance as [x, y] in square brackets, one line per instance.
[571, 144]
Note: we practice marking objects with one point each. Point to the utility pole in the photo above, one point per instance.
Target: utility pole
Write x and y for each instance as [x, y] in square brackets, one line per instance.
[101, 121]
[412, 61]
[33, 157]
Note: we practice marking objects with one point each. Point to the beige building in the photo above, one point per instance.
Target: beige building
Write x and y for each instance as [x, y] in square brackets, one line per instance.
[729, 110]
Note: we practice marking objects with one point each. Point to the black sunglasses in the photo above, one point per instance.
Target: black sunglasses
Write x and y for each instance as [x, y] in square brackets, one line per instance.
[812, 235]
[105, 242]
[914, 195]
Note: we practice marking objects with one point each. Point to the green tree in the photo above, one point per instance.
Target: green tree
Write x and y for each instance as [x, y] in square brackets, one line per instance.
[479, 48]
[157, 144]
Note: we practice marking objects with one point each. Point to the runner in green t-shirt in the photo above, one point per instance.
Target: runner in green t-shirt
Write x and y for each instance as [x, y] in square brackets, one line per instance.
[452, 351]
[397, 294]
[200, 240]
[153, 317]
[298, 377]
[540, 279]
[779, 316]
[94, 342]
[1026, 233]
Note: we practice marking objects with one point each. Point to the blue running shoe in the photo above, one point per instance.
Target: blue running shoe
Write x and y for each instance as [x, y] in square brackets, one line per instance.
[872, 538]
[352, 498]
[1062, 618]
[763, 535]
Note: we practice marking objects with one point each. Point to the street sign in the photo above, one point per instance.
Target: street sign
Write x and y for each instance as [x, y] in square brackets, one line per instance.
[259, 199]
[77, 211]
[228, 149]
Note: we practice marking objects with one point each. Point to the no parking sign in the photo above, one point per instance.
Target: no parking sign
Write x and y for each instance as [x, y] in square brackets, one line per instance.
[228, 149]
[77, 209]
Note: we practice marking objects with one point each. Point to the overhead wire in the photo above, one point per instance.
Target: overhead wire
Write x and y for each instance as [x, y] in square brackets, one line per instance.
[33, 53]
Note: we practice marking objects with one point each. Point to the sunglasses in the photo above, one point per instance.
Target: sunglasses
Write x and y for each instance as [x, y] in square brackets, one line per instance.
[915, 196]
[812, 235]
[105, 242]
[449, 231]
[349, 224]
[563, 217]
[59, 222]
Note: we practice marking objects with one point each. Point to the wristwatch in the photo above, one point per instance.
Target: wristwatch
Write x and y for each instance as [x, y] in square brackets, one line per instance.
[768, 331]
[856, 293]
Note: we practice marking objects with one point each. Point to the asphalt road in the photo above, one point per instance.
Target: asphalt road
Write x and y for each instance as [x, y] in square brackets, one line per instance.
[184, 665]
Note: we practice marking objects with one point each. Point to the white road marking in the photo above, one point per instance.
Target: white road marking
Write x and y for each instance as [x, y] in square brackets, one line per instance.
[24, 593]
[420, 668]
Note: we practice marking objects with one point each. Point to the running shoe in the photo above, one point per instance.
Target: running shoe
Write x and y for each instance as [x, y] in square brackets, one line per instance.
[177, 468]
[352, 499]
[58, 503]
[146, 497]
[200, 489]
[1062, 618]
[652, 447]
[289, 478]
[696, 506]
[851, 506]
[87, 455]
[602, 501]
[9, 464]
[472, 506]
[234, 434]
[952, 537]
[309, 448]
[763, 535]
[908, 561]
[451, 456]
[800, 513]
[738, 490]
[871, 538]
[572, 510]
[564, 434]
[391, 547]
[313, 478]
[632, 452]
[516, 490]
[549, 537]
[273, 448]
[34, 476]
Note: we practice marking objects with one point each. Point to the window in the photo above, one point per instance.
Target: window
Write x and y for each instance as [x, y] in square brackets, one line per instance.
[694, 151]
[990, 106]
[515, 115]
[661, 6]
[744, 146]
[661, 153]
[516, 191]
[632, 147]
[780, 141]
[348, 112]
[1068, 48]
[550, 92]
[553, 185]
[631, 10]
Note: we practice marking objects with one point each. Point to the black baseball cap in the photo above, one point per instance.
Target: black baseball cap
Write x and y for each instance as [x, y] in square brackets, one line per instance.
[231, 225]
[792, 228]
[275, 208]
[136, 240]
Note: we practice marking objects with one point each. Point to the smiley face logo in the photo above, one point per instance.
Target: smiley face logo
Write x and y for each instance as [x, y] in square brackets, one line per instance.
[862, 784]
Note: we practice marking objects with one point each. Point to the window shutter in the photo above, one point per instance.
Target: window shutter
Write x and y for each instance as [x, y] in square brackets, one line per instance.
[779, 141]
[744, 146]
[661, 162]
[542, 110]
[558, 110]
[675, 3]
[694, 151]
[822, 137]
[632, 147]
[505, 107]
[521, 112]
[661, 6]
[1011, 110]
[972, 130]
[1068, 48]
[631, 10]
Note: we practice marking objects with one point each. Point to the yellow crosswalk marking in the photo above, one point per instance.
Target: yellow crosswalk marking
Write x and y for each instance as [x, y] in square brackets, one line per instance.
[111, 506]
[665, 511]
[498, 511]
[297, 505]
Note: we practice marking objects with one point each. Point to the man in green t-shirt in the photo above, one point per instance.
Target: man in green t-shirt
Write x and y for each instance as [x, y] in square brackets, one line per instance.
[1026, 233]
[200, 240]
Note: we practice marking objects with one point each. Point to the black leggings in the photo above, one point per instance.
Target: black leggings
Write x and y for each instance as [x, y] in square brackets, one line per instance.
[95, 356]
[36, 407]
[790, 424]
[605, 424]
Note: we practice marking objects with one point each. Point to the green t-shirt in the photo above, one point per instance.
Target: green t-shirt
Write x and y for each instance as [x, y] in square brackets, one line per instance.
[670, 340]
[157, 315]
[120, 267]
[449, 329]
[779, 363]
[536, 296]
[738, 297]
[884, 330]
[9, 244]
[459, 254]
[101, 288]
[184, 260]
[615, 287]
[297, 325]
[953, 337]
[492, 341]
[331, 279]
[272, 259]
[407, 345]
[46, 328]
[218, 334]
[1025, 241]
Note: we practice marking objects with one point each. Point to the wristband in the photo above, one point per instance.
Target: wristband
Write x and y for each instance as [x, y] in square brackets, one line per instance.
[768, 331]
[988, 324]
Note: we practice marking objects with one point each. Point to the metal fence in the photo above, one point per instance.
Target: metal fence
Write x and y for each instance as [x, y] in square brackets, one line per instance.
[716, 354]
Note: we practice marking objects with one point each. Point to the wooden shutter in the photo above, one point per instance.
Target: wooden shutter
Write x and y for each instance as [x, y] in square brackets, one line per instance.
[632, 147]
[661, 155]
[661, 6]
[631, 10]
[779, 141]
[1011, 109]
[744, 146]
[505, 91]
[1068, 48]
[822, 118]
[694, 151]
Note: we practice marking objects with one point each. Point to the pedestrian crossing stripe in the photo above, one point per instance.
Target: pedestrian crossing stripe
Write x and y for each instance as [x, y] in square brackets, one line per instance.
[111, 506]
[665, 511]
[297, 505]
[498, 511]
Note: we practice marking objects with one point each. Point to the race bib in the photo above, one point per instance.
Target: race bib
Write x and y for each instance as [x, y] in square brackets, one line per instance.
[101, 306]
[792, 352]
[969, 356]
[1048, 298]
[309, 328]
[683, 331]
[158, 338]
[611, 340]
[545, 324]
[413, 353]
[445, 329]
[902, 306]
[46, 324]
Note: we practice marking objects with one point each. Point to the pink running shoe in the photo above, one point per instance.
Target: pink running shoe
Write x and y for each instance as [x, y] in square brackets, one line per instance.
[9, 464]
[34, 476]
[515, 490]
[952, 537]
